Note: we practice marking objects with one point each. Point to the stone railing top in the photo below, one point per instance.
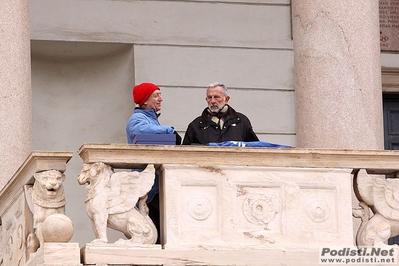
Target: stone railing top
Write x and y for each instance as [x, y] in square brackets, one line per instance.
[37, 161]
[136, 156]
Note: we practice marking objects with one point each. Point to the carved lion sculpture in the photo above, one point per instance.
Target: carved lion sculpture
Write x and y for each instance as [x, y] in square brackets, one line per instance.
[112, 198]
[381, 195]
[46, 197]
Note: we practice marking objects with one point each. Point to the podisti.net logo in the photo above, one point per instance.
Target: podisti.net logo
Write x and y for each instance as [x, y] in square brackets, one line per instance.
[361, 255]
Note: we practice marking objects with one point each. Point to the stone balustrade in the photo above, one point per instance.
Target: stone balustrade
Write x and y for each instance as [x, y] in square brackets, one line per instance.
[218, 205]
[24, 206]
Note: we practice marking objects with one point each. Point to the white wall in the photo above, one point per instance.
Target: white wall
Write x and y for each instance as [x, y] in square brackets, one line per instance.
[251, 24]
[389, 59]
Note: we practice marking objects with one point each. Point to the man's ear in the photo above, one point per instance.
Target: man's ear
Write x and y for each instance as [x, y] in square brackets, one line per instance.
[227, 99]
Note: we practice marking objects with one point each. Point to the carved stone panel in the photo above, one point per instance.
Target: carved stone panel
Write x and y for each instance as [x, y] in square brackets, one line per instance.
[256, 207]
[16, 224]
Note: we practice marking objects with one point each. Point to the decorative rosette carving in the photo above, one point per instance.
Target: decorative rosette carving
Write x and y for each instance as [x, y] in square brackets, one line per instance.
[199, 208]
[318, 211]
[260, 209]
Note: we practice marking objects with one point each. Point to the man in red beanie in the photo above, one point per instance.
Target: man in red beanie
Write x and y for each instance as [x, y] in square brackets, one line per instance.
[143, 91]
[144, 120]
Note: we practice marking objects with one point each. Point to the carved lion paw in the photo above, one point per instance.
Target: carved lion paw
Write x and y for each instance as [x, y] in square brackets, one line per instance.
[99, 241]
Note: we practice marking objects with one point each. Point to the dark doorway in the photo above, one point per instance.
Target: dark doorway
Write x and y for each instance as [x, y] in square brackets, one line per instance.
[391, 132]
[391, 121]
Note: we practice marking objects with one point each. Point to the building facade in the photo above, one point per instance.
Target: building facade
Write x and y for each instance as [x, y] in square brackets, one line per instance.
[308, 74]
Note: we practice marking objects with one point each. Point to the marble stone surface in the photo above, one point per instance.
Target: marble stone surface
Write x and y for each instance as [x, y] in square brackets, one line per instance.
[337, 74]
[15, 87]
[252, 208]
[60, 254]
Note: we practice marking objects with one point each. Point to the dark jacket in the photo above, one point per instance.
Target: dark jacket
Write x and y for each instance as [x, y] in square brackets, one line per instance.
[203, 130]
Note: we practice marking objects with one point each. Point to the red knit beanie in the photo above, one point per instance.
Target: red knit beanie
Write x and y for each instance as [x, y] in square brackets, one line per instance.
[142, 91]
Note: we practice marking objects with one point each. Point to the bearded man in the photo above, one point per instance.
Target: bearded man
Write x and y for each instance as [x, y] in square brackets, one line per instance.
[219, 122]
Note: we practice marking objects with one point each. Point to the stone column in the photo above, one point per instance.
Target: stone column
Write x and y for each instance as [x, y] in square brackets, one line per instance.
[15, 87]
[337, 74]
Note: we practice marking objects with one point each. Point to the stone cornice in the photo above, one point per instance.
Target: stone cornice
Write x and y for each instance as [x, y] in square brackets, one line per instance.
[130, 156]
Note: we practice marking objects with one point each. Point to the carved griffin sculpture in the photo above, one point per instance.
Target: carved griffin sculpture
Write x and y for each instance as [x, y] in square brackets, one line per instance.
[381, 195]
[111, 201]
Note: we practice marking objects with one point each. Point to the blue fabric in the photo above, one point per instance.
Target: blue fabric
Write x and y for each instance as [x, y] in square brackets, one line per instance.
[154, 189]
[262, 144]
[145, 122]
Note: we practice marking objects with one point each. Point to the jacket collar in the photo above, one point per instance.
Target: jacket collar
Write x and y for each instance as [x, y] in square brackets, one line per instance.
[150, 113]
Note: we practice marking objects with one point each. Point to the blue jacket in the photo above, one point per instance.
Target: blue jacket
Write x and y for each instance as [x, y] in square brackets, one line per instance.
[145, 122]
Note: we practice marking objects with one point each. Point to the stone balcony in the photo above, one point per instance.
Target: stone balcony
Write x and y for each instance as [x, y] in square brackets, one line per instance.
[218, 205]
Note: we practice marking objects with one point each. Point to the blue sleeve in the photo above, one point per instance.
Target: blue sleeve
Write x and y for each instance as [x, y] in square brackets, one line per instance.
[139, 124]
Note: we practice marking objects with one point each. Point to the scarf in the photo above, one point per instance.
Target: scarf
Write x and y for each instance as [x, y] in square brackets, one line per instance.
[220, 116]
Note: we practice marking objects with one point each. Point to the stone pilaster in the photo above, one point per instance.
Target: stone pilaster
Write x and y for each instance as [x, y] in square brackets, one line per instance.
[15, 87]
[337, 74]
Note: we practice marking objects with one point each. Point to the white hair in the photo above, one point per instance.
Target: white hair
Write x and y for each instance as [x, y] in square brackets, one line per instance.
[218, 84]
